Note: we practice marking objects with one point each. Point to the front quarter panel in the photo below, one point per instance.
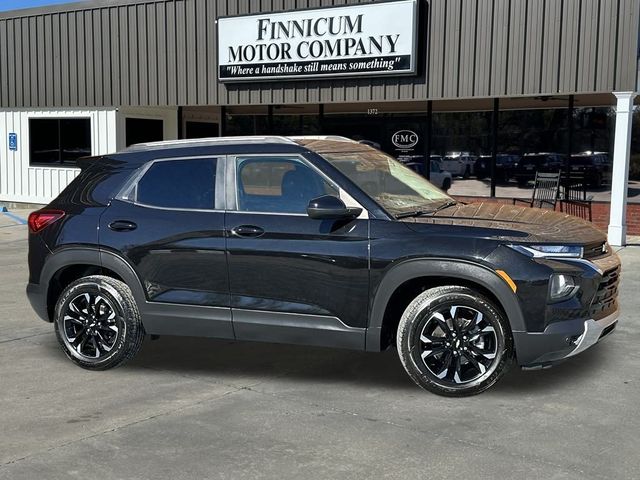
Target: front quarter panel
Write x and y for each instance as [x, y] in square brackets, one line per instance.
[400, 254]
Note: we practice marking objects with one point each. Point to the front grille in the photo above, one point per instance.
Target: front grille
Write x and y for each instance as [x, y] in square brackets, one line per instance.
[605, 301]
[595, 250]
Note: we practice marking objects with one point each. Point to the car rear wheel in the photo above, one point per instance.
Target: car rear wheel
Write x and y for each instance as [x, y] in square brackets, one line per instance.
[446, 184]
[453, 341]
[97, 323]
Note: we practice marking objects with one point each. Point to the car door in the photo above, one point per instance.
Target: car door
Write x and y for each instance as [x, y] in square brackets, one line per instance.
[292, 278]
[168, 224]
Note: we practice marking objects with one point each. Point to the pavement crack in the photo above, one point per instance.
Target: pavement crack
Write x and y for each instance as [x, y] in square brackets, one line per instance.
[26, 337]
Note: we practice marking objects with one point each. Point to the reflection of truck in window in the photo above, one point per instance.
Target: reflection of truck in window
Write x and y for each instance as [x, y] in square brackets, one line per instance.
[438, 176]
[460, 164]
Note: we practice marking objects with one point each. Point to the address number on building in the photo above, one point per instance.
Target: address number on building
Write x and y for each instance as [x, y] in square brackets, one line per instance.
[369, 39]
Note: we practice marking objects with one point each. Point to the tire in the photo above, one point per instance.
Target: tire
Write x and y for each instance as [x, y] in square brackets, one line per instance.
[446, 184]
[97, 323]
[467, 172]
[459, 362]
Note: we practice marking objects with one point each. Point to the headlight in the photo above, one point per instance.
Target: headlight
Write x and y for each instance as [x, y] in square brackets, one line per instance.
[566, 251]
[561, 286]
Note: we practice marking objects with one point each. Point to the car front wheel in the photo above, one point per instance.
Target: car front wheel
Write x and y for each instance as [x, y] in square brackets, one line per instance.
[453, 341]
[97, 323]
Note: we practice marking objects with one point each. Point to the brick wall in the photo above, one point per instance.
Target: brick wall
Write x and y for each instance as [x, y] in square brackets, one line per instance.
[599, 212]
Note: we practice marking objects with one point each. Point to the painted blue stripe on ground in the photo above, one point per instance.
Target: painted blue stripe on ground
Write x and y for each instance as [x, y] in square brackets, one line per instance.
[15, 218]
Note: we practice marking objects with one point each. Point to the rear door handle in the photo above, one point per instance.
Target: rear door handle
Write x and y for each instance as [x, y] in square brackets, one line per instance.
[122, 226]
[247, 231]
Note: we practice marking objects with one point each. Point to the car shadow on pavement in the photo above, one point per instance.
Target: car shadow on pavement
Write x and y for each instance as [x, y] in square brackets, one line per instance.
[575, 371]
[309, 364]
[220, 361]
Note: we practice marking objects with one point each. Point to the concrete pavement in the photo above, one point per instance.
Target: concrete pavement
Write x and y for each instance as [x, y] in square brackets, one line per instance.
[198, 408]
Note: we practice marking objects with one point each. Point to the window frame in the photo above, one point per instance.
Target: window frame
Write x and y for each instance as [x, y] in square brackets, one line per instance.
[131, 185]
[232, 179]
[59, 119]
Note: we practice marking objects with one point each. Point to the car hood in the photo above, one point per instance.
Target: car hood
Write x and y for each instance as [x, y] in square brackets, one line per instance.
[514, 223]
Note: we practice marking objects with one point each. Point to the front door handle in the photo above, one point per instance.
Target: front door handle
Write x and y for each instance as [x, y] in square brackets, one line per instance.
[247, 231]
[122, 226]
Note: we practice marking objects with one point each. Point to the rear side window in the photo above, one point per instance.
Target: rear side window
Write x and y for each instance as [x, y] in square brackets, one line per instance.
[188, 184]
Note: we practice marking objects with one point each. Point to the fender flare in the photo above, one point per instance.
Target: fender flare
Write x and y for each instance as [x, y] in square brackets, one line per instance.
[440, 267]
[85, 255]
[119, 265]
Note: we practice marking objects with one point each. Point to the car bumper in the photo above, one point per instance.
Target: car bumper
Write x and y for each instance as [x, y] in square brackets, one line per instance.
[38, 299]
[561, 340]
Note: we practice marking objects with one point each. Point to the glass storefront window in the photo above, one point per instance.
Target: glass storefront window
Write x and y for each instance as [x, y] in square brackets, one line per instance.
[537, 140]
[529, 140]
[296, 124]
[461, 143]
[246, 121]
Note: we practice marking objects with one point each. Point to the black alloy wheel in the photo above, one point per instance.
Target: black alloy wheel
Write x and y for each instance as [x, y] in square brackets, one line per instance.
[453, 341]
[91, 326]
[97, 323]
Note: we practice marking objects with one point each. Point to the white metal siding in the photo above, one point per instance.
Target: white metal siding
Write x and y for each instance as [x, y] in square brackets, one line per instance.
[20, 182]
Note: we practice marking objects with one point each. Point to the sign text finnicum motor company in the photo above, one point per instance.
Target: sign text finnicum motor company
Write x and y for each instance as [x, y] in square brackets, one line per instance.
[369, 39]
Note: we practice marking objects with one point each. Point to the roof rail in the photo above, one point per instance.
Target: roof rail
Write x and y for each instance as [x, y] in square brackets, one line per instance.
[335, 138]
[195, 142]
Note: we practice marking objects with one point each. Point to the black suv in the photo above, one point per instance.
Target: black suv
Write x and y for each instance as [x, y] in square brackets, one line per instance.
[594, 167]
[313, 241]
[531, 163]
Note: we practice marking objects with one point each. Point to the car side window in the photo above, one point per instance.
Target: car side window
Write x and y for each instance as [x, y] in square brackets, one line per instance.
[187, 184]
[278, 184]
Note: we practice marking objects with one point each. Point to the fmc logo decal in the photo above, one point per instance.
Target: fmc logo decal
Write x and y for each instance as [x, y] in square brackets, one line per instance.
[404, 139]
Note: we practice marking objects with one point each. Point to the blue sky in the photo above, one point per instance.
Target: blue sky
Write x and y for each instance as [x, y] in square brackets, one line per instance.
[18, 4]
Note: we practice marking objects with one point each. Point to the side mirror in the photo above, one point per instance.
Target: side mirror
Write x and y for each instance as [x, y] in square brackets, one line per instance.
[329, 207]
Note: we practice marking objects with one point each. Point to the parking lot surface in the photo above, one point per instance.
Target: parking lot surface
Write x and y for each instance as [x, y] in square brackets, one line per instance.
[198, 408]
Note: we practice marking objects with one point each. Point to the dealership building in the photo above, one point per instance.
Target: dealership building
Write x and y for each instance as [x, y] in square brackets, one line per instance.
[493, 81]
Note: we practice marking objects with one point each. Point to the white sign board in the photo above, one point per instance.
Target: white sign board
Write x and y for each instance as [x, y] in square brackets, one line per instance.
[356, 40]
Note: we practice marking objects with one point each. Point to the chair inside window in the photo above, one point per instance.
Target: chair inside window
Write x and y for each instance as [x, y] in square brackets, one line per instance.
[574, 197]
[546, 190]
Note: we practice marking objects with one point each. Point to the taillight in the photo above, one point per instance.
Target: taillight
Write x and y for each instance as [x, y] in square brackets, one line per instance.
[43, 218]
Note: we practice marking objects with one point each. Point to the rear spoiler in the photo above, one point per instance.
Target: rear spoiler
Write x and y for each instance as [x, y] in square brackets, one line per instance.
[85, 162]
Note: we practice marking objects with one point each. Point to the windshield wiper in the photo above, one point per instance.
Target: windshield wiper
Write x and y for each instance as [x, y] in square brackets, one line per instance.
[420, 213]
[415, 213]
[443, 206]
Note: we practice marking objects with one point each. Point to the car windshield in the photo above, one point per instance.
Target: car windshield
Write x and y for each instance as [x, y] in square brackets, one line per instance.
[396, 188]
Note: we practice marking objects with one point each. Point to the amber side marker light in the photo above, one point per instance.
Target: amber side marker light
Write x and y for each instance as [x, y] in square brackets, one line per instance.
[507, 279]
[43, 218]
